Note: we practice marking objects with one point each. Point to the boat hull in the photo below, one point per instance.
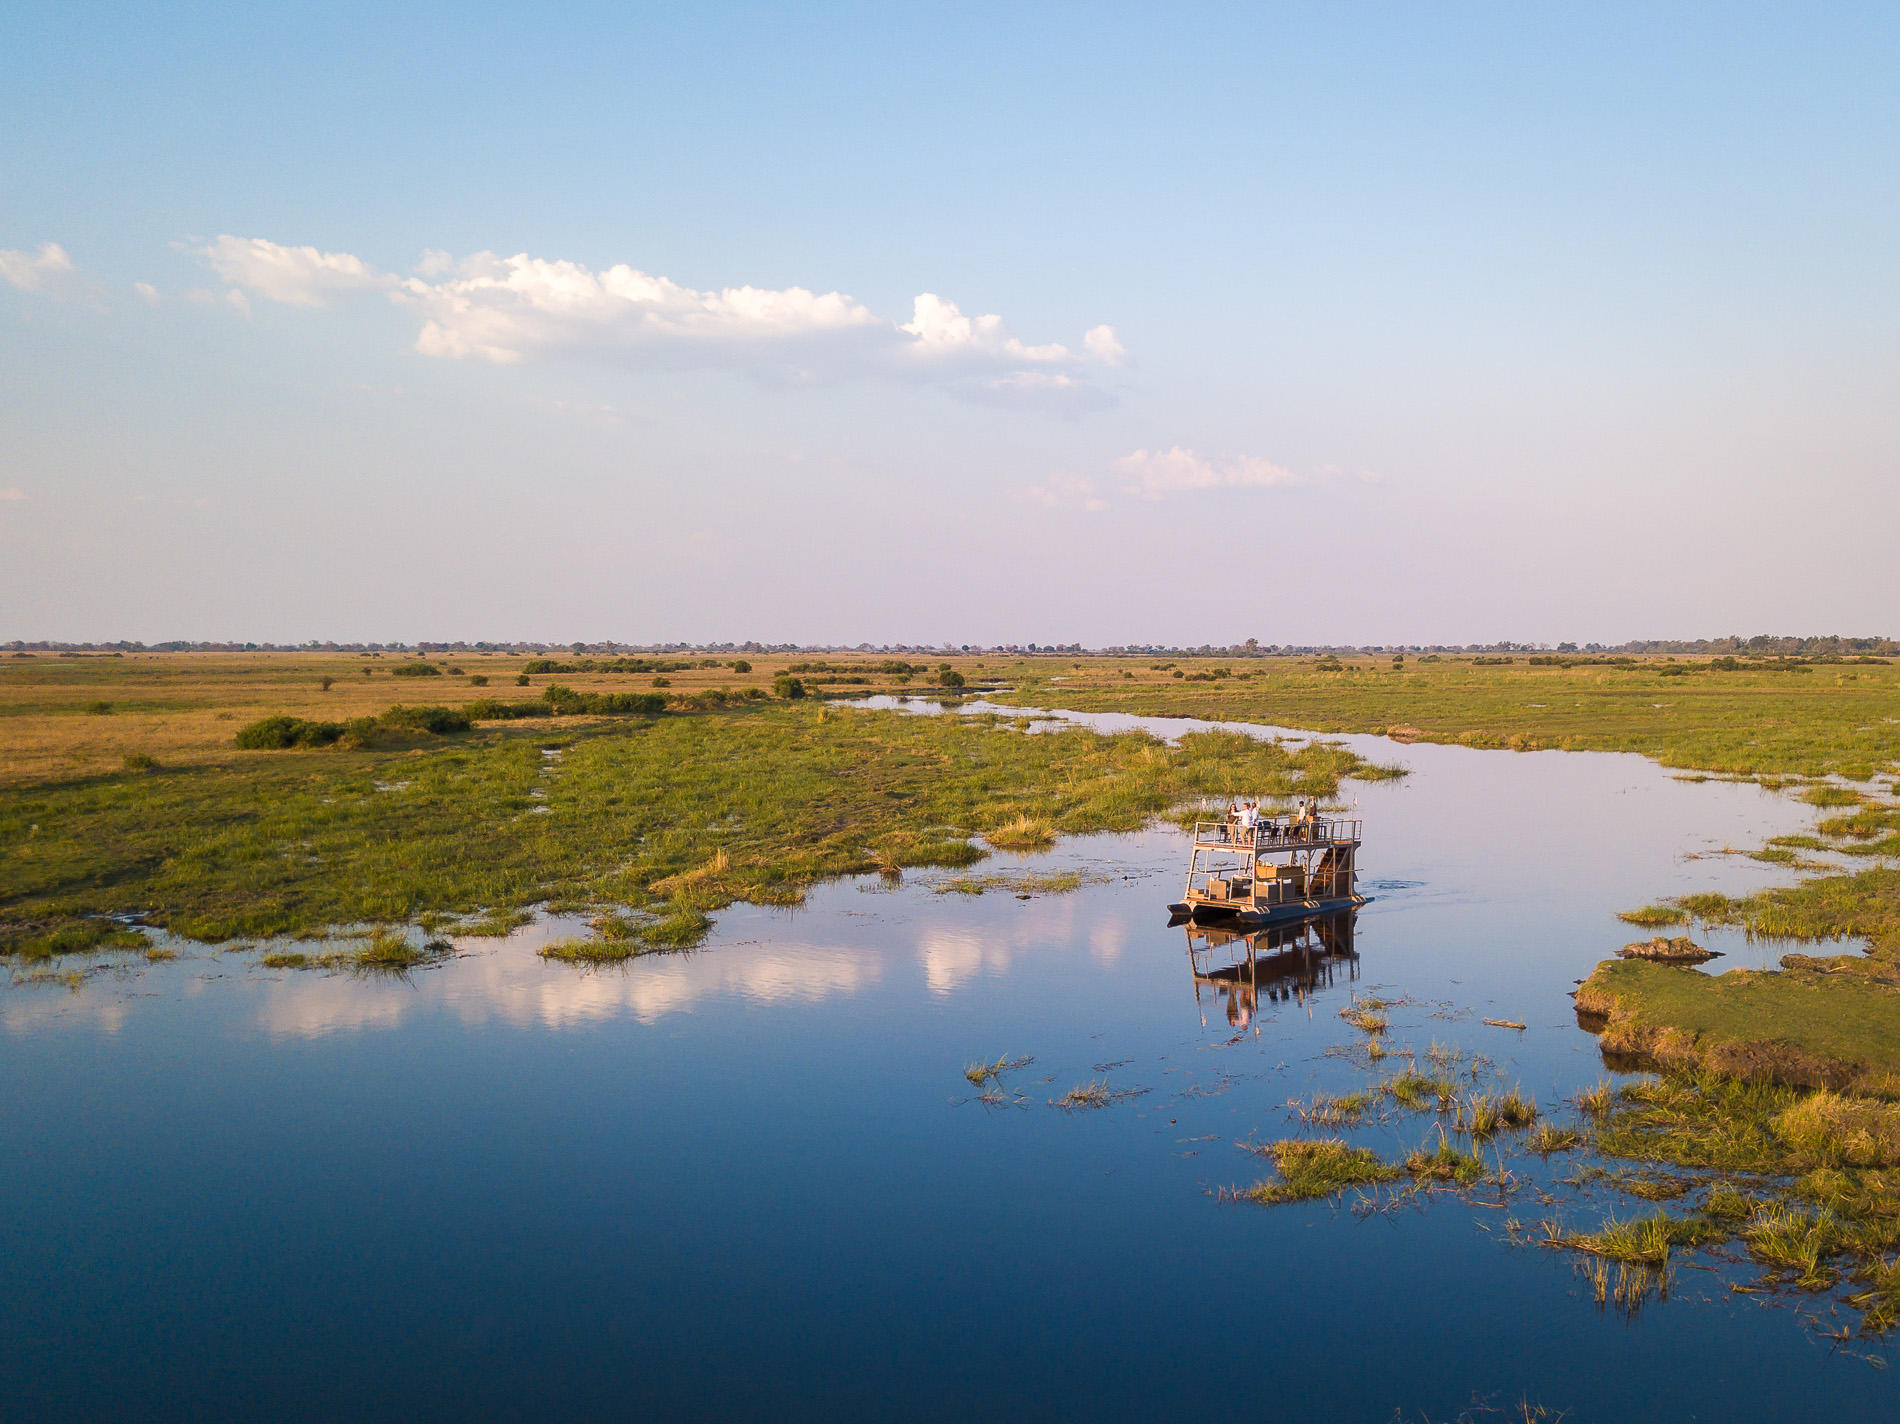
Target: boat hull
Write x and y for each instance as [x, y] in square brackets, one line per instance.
[1210, 912]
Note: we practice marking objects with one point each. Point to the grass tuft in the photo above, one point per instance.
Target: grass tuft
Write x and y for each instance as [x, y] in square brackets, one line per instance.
[1325, 1168]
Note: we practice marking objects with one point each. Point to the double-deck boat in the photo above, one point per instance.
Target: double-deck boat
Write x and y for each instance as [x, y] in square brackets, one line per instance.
[1273, 871]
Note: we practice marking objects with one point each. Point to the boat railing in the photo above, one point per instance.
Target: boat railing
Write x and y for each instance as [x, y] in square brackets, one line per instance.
[1277, 835]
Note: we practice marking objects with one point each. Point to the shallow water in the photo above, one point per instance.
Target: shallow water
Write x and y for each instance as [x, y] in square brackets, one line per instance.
[753, 1181]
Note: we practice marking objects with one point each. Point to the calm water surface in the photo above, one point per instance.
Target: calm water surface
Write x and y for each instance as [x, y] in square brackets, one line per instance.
[752, 1182]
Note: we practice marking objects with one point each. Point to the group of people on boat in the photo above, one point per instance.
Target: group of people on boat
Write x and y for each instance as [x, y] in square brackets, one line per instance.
[1245, 822]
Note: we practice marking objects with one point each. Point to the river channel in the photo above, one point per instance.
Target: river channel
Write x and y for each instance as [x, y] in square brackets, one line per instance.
[752, 1181]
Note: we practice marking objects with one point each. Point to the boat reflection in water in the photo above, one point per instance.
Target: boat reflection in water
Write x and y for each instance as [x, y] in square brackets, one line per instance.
[1283, 962]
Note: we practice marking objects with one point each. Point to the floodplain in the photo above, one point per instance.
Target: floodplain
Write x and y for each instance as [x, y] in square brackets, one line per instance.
[902, 1033]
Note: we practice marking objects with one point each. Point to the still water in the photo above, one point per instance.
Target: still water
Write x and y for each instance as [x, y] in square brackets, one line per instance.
[752, 1181]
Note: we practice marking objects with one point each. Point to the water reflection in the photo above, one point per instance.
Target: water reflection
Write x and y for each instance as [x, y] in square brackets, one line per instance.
[1287, 963]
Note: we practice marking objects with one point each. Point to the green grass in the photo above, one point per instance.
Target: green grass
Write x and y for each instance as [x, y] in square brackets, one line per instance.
[1739, 717]
[1341, 1111]
[1808, 1187]
[590, 951]
[391, 952]
[1324, 1168]
[1551, 1138]
[1446, 1163]
[1834, 1023]
[1421, 1091]
[637, 813]
[1794, 1242]
[980, 1073]
[1487, 1114]
[1654, 915]
[30, 941]
[1644, 1241]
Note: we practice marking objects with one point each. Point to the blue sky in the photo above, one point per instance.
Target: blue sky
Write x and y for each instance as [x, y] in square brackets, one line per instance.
[1389, 324]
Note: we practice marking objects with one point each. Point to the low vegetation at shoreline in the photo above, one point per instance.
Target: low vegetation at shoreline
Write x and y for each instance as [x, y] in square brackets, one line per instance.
[670, 815]
[1804, 1181]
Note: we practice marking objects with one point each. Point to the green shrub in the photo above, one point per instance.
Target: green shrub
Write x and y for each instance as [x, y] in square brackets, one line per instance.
[98, 709]
[416, 670]
[276, 733]
[140, 761]
[439, 720]
[785, 685]
[479, 679]
[741, 665]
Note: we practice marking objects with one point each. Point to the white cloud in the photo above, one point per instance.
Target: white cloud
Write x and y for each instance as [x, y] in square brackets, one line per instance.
[296, 276]
[942, 331]
[1157, 474]
[44, 271]
[1066, 490]
[1102, 343]
[147, 292]
[241, 302]
[516, 309]
[50, 272]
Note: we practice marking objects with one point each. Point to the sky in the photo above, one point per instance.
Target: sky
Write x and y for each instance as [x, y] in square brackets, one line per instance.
[973, 324]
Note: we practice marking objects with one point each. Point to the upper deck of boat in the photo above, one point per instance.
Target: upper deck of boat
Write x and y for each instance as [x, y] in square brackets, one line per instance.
[1274, 835]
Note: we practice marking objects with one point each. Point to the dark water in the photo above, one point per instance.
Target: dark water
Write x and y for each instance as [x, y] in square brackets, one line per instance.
[752, 1182]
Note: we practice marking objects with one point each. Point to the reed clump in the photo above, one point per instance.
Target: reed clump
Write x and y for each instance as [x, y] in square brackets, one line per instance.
[1487, 1114]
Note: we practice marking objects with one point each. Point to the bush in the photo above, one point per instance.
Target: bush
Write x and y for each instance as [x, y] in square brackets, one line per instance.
[326, 683]
[741, 665]
[521, 681]
[140, 761]
[479, 679]
[276, 733]
[566, 701]
[439, 720]
[785, 685]
[950, 679]
[416, 670]
[662, 682]
[98, 709]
